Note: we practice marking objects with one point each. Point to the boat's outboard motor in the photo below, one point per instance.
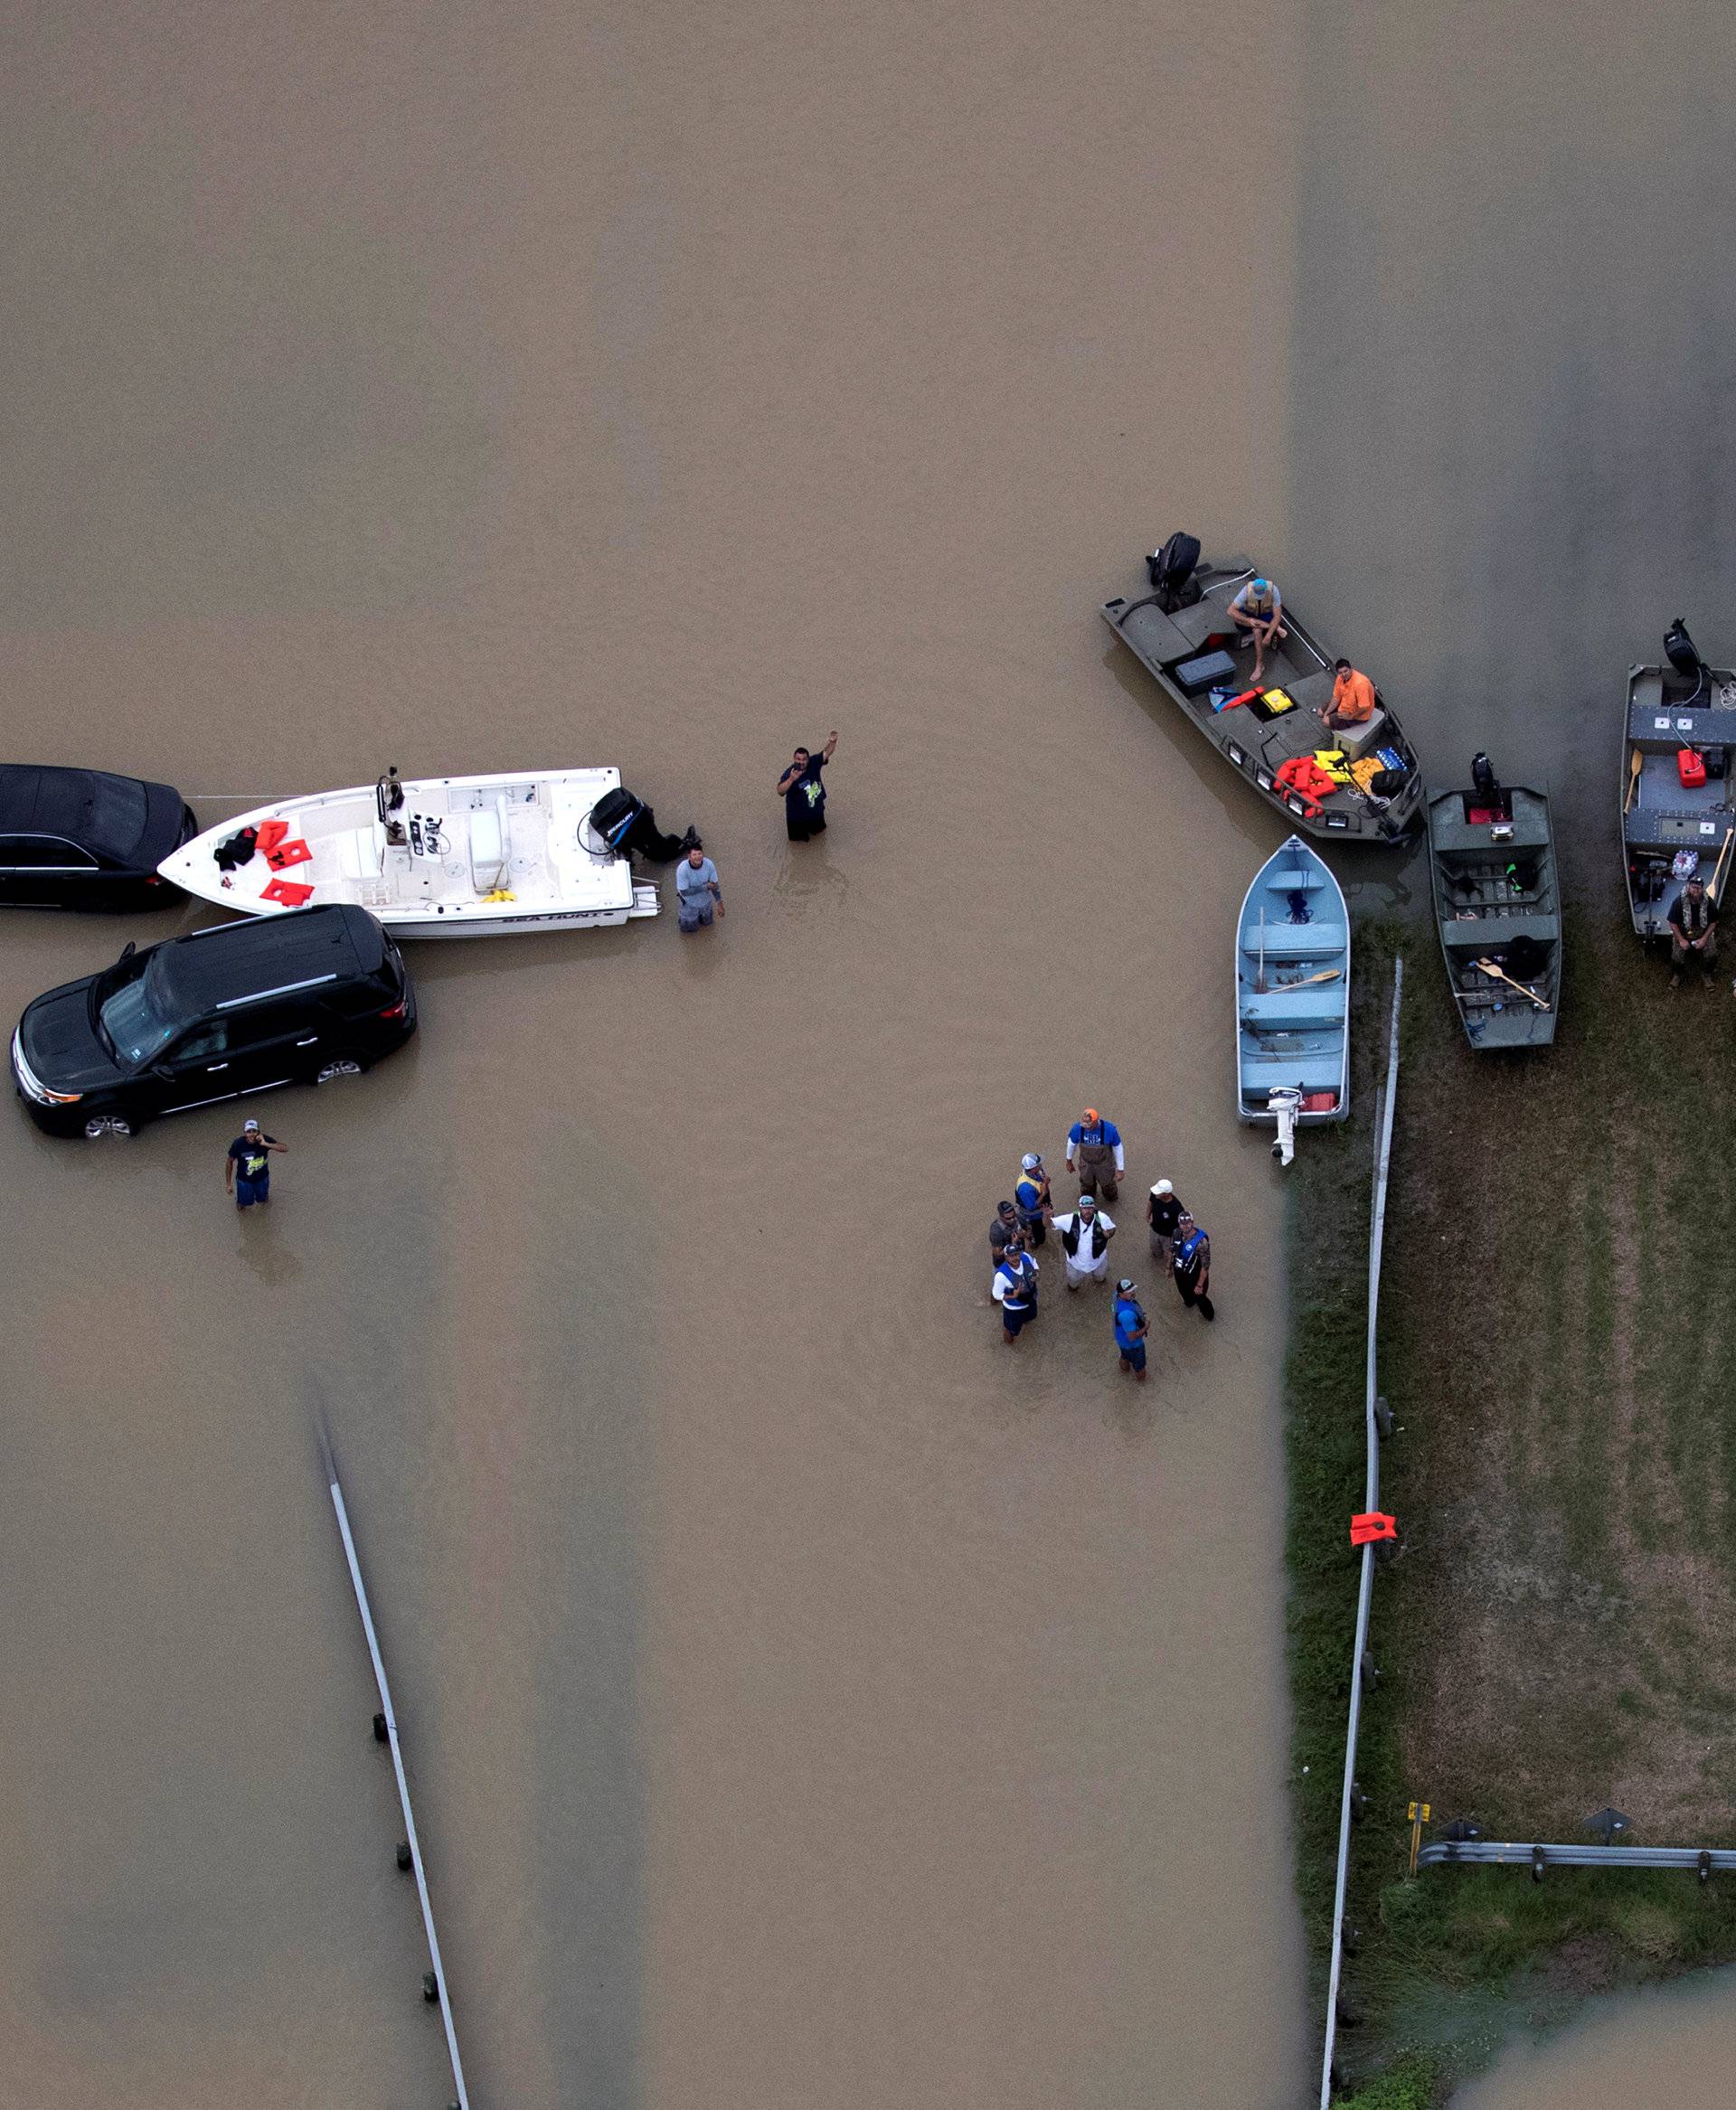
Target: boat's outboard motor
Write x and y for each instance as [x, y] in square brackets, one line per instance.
[1484, 781]
[623, 823]
[1172, 569]
[1682, 652]
[1285, 1101]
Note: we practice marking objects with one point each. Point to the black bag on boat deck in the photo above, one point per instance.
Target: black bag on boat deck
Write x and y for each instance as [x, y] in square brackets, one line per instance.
[614, 814]
[236, 849]
[1387, 783]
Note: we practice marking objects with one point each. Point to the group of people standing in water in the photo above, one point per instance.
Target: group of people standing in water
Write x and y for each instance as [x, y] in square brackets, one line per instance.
[1095, 1151]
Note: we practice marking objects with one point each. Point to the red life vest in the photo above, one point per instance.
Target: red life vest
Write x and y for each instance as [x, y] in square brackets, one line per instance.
[1304, 777]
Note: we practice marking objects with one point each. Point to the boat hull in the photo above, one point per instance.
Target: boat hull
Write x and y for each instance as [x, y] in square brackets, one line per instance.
[1664, 711]
[490, 856]
[1497, 898]
[1256, 747]
[1292, 984]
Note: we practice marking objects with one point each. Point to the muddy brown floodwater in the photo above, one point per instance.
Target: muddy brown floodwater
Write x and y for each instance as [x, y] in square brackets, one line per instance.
[810, 1703]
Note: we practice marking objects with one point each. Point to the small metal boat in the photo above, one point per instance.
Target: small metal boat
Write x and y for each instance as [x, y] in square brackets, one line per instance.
[1293, 996]
[447, 857]
[1677, 822]
[1498, 907]
[1199, 659]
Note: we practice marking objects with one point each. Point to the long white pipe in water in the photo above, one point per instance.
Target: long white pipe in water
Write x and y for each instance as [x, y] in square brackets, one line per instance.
[1372, 1501]
[403, 1785]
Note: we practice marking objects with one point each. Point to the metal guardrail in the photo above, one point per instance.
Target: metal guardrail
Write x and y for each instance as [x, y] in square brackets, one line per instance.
[1365, 1592]
[434, 1985]
[1487, 1852]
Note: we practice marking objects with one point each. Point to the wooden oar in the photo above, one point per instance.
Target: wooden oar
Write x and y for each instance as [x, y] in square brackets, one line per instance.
[1501, 975]
[1717, 887]
[1634, 768]
[1308, 981]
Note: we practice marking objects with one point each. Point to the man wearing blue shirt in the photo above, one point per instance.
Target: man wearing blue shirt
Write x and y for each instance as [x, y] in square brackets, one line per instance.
[1130, 1329]
[1031, 1199]
[697, 892]
[1095, 1144]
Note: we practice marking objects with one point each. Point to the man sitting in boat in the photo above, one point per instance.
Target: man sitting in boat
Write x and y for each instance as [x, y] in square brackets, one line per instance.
[1693, 930]
[1352, 699]
[1259, 609]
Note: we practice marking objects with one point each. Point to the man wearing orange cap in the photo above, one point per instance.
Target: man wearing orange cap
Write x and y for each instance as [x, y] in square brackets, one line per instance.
[1094, 1145]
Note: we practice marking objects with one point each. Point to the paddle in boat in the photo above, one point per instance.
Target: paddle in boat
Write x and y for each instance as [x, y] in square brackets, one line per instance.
[1362, 784]
[1492, 859]
[1293, 996]
[1677, 815]
[444, 857]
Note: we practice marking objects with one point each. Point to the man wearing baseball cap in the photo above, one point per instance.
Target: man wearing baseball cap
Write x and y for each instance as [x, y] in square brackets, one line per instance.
[1163, 1213]
[1031, 1199]
[1095, 1144]
[1130, 1328]
[247, 1170]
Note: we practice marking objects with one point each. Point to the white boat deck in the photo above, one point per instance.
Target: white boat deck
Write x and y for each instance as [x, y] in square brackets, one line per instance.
[477, 854]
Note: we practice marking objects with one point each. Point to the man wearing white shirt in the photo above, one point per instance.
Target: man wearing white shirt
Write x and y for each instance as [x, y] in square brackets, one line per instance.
[1085, 1238]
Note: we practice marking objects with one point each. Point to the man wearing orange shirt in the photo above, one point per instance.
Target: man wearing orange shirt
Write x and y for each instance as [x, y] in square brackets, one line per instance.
[1353, 699]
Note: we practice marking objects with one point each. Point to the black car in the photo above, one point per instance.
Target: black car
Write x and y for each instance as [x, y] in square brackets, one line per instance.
[82, 839]
[302, 998]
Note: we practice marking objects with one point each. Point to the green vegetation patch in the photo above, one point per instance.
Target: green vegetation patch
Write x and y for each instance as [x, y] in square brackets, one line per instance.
[1558, 1633]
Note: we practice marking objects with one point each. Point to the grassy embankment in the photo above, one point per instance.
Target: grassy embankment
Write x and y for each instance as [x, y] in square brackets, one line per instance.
[1560, 1631]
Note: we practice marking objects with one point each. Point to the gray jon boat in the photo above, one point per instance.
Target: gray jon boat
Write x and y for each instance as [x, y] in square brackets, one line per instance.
[1492, 857]
[1192, 651]
[1670, 827]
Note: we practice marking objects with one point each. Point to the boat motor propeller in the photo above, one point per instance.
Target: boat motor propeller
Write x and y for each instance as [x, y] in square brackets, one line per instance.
[1284, 1101]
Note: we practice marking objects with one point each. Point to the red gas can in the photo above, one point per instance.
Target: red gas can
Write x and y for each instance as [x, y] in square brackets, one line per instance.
[1691, 765]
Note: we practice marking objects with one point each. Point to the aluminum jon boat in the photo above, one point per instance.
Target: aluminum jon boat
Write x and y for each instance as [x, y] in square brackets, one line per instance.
[1293, 996]
[445, 857]
[1491, 860]
[1676, 813]
[1196, 656]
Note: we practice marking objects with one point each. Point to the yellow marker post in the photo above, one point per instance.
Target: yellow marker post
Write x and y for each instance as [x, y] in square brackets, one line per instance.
[1417, 1813]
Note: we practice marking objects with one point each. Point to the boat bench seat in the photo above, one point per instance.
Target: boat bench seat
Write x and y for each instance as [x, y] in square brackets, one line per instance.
[1495, 933]
[1294, 1011]
[1356, 740]
[1308, 1073]
[357, 851]
[1294, 941]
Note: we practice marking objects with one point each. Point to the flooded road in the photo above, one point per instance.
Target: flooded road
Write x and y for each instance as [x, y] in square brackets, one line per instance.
[1663, 2049]
[810, 1703]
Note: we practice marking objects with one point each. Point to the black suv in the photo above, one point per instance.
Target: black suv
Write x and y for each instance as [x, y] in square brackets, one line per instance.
[239, 1008]
[83, 839]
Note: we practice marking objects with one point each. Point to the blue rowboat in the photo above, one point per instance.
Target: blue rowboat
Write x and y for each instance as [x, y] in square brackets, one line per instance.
[1293, 996]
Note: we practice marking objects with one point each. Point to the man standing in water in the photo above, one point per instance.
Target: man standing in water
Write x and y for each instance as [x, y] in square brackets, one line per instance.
[247, 1170]
[1095, 1144]
[1014, 1289]
[1085, 1236]
[697, 890]
[1192, 1266]
[1163, 1213]
[803, 794]
[1131, 1326]
[1031, 1198]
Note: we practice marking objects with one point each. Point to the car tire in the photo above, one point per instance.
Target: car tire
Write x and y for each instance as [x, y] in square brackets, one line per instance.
[339, 1066]
[102, 1124]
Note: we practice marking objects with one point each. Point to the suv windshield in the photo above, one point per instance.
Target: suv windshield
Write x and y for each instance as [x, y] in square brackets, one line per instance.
[136, 1022]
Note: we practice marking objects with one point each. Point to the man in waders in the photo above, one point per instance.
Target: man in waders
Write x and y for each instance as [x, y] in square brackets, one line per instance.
[1163, 1213]
[1031, 1198]
[1014, 1289]
[1095, 1144]
[1131, 1326]
[1192, 1266]
[1085, 1235]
